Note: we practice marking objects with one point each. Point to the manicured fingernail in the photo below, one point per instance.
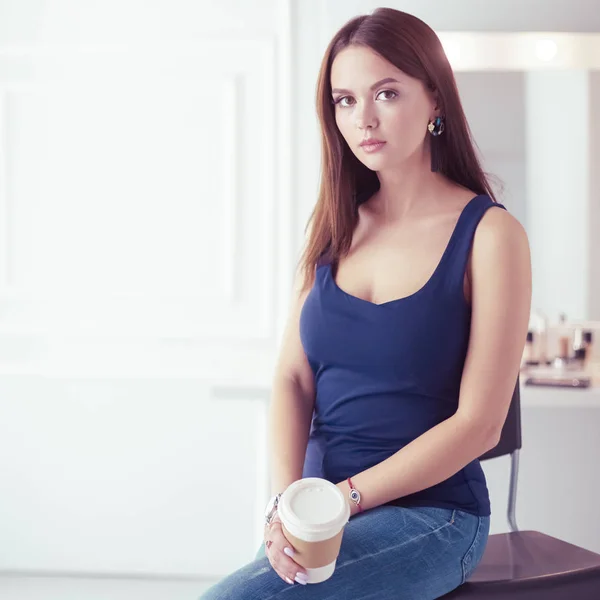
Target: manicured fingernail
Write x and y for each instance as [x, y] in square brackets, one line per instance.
[301, 579]
[288, 551]
[289, 580]
[302, 576]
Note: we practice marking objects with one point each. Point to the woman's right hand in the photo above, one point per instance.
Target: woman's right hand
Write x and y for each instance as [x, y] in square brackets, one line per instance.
[280, 552]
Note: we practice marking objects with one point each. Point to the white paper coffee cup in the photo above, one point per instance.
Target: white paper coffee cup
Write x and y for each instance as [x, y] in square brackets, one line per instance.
[313, 513]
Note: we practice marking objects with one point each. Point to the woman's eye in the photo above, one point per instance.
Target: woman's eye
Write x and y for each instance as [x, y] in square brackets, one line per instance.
[388, 92]
[341, 100]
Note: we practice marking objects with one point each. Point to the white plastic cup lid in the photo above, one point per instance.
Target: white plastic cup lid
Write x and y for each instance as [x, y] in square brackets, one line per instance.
[313, 509]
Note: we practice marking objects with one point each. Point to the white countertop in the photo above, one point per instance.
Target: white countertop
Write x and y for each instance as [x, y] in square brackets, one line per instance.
[550, 397]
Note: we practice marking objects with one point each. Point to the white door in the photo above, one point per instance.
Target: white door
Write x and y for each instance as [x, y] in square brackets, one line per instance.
[146, 256]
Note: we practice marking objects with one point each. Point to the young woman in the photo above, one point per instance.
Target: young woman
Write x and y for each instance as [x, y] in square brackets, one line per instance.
[404, 340]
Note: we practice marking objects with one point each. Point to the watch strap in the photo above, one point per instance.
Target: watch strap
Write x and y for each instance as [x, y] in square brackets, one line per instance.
[271, 508]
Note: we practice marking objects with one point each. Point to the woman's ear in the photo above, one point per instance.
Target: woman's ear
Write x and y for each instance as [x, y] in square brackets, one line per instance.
[435, 101]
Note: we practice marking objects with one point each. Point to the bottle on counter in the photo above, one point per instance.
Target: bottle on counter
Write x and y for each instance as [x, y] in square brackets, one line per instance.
[577, 360]
[529, 357]
[538, 338]
[564, 339]
[588, 338]
[578, 346]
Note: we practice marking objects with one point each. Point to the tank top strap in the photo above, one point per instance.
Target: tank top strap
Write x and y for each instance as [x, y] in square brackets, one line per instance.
[462, 238]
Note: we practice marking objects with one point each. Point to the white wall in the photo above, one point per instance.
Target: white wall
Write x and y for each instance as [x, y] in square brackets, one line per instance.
[145, 268]
[494, 103]
[593, 223]
[475, 15]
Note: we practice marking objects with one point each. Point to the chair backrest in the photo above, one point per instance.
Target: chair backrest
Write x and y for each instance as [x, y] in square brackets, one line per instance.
[510, 439]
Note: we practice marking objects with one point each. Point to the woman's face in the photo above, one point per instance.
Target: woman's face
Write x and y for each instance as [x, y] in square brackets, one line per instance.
[374, 99]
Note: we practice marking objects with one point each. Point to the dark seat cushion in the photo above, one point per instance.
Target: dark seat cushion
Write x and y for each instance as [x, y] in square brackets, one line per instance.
[530, 565]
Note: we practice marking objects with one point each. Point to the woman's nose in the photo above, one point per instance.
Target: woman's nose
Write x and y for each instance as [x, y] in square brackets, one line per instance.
[365, 117]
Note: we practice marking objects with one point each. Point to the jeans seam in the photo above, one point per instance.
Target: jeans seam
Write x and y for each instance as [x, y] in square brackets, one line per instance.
[465, 563]
[446, 524]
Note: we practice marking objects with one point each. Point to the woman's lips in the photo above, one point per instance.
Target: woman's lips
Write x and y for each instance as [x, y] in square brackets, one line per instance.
[371, 147]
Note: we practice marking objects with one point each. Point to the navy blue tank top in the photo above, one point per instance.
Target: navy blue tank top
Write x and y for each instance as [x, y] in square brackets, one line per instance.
[386, 373]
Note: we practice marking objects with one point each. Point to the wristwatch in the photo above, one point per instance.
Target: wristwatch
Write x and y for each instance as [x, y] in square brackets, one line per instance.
[271, 508]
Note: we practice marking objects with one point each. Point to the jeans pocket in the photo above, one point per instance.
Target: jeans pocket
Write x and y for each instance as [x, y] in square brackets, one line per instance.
[475, 552]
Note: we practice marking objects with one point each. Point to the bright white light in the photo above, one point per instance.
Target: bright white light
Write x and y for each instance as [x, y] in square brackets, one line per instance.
[452, 50]
[546, 49]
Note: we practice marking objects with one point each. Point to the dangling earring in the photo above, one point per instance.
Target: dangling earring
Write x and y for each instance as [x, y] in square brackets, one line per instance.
[436, 127]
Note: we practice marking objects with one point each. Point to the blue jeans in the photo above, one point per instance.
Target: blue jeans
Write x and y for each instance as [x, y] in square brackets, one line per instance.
[387, 553]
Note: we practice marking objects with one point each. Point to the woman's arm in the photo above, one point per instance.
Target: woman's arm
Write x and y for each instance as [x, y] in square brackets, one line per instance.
[501, 302]
[290, 415]
[292, 402]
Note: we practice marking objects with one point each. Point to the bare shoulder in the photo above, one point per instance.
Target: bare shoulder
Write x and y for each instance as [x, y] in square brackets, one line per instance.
[500, 230]
[501, 257]
[497, 229]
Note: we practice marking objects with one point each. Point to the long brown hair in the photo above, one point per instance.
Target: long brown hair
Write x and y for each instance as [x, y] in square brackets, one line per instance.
[414, 48]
